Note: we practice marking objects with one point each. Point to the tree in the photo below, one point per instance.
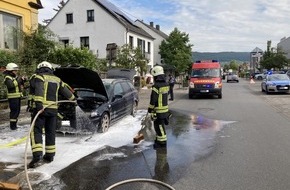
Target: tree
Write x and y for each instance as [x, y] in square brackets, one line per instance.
[272, 60]
[36, 47]
[234, 65]
[131, 58]
[65, 56]
[7, 56]
[176, 51]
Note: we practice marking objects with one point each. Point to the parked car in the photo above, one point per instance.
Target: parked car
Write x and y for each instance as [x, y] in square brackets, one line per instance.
[288, 73]
[104, 101]
[260, 76]
[232, 77]
[276, 83]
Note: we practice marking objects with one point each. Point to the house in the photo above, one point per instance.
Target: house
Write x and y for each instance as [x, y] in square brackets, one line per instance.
[157, 34]
[17, 15]
[100, 26]
[284, 46]
[256, 55]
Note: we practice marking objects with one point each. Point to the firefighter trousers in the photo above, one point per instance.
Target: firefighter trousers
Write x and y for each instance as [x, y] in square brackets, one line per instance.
[14, 105]
[159, 126]
[45, 124]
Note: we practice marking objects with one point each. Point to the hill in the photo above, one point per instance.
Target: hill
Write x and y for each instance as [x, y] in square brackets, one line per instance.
[222, 56]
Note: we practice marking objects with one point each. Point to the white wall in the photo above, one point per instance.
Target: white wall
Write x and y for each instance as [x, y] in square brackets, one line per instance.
[105, 29]
[157, 41]
[284, 44]
[135, 44]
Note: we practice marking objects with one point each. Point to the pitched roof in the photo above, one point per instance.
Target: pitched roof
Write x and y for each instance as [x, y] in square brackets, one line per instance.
[154, 29]
[256, 50]
[122, 18]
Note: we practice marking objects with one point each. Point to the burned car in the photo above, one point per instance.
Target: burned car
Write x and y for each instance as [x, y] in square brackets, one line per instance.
[104, 101]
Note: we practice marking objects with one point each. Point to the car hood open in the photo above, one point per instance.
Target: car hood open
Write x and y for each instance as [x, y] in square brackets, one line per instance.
[80, 77]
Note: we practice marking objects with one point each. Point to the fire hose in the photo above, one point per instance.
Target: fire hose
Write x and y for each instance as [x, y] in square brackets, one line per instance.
[28, 137]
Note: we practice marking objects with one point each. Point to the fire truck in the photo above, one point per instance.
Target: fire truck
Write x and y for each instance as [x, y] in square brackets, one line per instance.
[205, 79]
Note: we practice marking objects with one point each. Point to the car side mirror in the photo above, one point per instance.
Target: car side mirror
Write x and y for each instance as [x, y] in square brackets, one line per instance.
[117, 96]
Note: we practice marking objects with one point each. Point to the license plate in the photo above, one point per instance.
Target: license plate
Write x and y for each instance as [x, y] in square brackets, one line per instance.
[204, 90]
[283, 87]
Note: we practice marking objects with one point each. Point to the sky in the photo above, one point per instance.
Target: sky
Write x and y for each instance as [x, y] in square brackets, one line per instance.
[70, 147]
[212, 25]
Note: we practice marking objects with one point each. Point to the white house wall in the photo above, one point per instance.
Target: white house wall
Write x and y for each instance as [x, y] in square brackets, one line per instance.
[105, 28]
[157, 42]
[284, 44]
[135, 44]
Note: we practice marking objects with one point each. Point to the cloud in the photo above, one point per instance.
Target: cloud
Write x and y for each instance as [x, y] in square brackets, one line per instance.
[214, 25]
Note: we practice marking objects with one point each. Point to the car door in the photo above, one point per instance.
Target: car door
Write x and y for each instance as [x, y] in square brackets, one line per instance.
[128, 97]
[118, 101]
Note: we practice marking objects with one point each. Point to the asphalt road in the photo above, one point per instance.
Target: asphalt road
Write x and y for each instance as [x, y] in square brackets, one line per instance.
[250, 154]
[250, 151]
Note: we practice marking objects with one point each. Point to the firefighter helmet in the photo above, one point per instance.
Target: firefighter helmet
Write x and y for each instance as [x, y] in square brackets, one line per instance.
[44, 64]
[157, 70]
[12, 67]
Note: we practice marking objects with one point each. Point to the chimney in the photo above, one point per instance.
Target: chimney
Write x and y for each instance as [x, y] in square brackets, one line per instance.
[151, 24]
[157, 27]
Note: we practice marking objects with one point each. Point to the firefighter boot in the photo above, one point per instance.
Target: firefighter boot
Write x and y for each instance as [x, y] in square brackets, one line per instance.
[34, 162]
[13, 125]
[47, 158]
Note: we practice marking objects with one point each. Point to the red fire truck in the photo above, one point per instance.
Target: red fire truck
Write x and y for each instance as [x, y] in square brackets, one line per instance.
[205, 79]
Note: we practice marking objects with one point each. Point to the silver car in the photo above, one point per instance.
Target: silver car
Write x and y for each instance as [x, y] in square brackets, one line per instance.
[276, 83]
[232, 77]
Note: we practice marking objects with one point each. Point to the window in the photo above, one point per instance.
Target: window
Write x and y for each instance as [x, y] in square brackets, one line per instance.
[9, 27]
[65, 42]
[141, 45]
[69, 18]
[118, 90]
[149, 47]
[131, 42]
[90, 16]
[85, 42]
[126, 87]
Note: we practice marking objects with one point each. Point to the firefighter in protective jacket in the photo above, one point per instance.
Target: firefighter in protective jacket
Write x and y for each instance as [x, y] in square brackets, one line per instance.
[14, 86]
[47, 88]
[158, 107]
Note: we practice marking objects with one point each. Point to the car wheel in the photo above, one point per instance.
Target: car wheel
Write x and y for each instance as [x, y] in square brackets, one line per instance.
[227, 81]
[134, 109]
[220, 96]
[260, 78]
[104, 123]
[262, 89]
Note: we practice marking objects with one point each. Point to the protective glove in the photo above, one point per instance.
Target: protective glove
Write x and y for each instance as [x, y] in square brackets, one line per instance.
[153, 116]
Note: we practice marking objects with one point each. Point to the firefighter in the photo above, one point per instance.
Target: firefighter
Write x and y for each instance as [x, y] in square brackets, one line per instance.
[14, 86]
[47, 87]
[31, 93]
[158, 107]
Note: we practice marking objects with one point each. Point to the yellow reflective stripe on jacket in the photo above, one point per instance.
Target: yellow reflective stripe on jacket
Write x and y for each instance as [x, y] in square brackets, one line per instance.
[48, 98]
[16, 93]
[50, 79]
[160, 108]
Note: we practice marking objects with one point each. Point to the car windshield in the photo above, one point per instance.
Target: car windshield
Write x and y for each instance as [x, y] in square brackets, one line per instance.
[277, 77]
[206, 72]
